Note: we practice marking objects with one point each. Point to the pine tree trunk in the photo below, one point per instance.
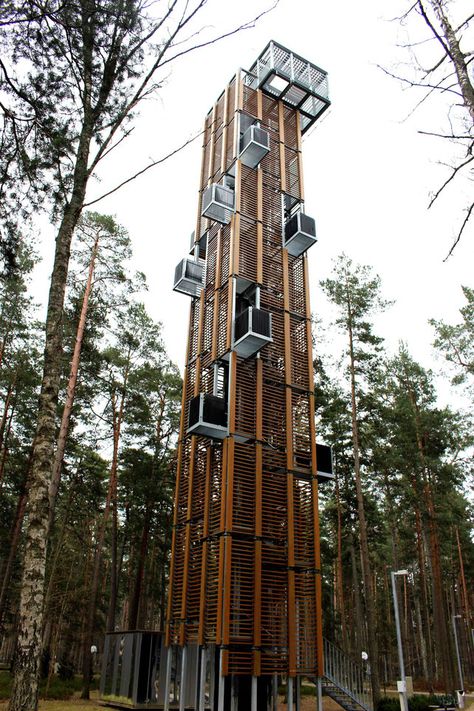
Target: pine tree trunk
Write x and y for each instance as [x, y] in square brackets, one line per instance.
[56, 559]
[364, 548]
[422, 644]
[110, 624]
[3, 342]
[462, 577]
[426, 628]
[6, 407]
[24, 694]
[137, 588]
[4, 448]
[117, 420]
[357, 625]
[111, 501]
[94, 589]
[339, 571]
[439, 610]
[71, 387]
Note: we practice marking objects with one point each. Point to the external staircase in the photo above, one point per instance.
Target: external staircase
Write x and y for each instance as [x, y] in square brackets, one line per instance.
[345, 681]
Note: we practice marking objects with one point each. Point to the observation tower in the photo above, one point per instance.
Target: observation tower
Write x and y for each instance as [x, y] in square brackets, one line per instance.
[244, 604]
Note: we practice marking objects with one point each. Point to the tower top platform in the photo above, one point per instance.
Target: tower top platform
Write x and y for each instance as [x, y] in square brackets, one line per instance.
[287, 76]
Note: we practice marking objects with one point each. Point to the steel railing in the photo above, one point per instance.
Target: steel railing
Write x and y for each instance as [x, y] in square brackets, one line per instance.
[349, 676]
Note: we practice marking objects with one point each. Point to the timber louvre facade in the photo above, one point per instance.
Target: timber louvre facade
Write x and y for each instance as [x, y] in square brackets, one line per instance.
[245, 566]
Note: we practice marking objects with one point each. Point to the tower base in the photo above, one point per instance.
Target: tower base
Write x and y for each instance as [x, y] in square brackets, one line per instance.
[139, 672]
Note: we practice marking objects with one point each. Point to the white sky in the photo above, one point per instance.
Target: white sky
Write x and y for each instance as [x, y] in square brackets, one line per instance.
[367, 178]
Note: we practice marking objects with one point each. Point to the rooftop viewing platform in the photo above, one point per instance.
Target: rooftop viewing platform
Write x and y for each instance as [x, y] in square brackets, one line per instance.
[291, 78]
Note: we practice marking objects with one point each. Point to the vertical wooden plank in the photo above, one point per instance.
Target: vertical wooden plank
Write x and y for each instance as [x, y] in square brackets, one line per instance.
[239, 94]
[187, 545]
[259, 225]
[205, 545]
[224, 131]
[234, 255]
[309, 347]
[220, 581]
[197, 384]
[259, 104]
[238, 101]
[300, 155]
[257, 610]
[229, 495]
[204, 176]
[289, 464]
[217, 293]
[212, 147]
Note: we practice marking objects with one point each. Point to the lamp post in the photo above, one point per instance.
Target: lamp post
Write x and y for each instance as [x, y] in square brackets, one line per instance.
[458, 656]
[402, 684]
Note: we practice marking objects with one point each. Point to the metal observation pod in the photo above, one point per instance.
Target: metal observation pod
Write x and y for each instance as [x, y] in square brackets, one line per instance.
[244, 602]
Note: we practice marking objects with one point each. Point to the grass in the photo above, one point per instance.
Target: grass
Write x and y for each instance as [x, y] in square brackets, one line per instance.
[59, 689]
[69, 705]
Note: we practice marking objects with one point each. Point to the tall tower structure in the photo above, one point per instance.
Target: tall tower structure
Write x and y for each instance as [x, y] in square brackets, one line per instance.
[245, 590]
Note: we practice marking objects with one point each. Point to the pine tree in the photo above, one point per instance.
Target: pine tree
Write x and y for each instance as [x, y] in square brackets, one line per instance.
[356, 293]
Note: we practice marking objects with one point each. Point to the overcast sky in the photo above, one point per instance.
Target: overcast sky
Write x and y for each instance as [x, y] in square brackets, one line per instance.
[368, 173]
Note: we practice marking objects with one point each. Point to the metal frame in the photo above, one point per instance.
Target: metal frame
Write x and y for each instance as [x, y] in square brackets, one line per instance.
[292, 79]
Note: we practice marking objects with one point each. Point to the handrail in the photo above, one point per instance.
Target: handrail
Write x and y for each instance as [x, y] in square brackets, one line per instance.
[347, 675]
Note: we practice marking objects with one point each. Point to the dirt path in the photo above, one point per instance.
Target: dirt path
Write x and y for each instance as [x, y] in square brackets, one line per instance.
[308, 703]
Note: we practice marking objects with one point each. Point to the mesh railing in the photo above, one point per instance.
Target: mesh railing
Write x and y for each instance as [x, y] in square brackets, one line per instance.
[290, 65]
[347, 675]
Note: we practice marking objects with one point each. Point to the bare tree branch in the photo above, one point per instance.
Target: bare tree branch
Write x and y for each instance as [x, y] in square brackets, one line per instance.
[455, 172]
[434, 30]
[144, 170]
[459, 235]
[446, 135]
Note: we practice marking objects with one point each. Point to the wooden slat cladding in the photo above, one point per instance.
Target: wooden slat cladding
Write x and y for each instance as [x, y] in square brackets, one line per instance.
[245, 558]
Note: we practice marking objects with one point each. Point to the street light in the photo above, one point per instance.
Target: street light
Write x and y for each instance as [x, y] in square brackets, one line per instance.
[402, 684]
[458, 655]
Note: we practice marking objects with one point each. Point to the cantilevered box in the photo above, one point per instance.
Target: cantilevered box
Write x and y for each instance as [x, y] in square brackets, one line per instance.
[208, 416]
[252, 331]
[324, 461]
[300, 234]
[254, 145]
[218, 203]
[188, 277]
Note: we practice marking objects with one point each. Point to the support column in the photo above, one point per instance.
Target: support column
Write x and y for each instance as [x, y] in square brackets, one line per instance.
[220, 700]
[169, 658]
[289, 693]
[254, 693]
[182, 685]
[202, 678]
[275, 692]
[319, 695]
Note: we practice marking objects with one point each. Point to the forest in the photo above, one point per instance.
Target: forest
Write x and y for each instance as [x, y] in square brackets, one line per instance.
[90, 400]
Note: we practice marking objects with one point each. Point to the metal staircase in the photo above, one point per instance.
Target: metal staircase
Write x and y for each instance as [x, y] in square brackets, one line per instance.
[345, 681]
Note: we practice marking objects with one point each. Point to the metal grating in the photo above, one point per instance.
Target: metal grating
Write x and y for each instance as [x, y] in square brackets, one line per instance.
[285, 75]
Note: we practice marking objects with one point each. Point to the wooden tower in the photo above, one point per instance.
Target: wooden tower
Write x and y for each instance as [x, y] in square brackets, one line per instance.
[245, 589]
